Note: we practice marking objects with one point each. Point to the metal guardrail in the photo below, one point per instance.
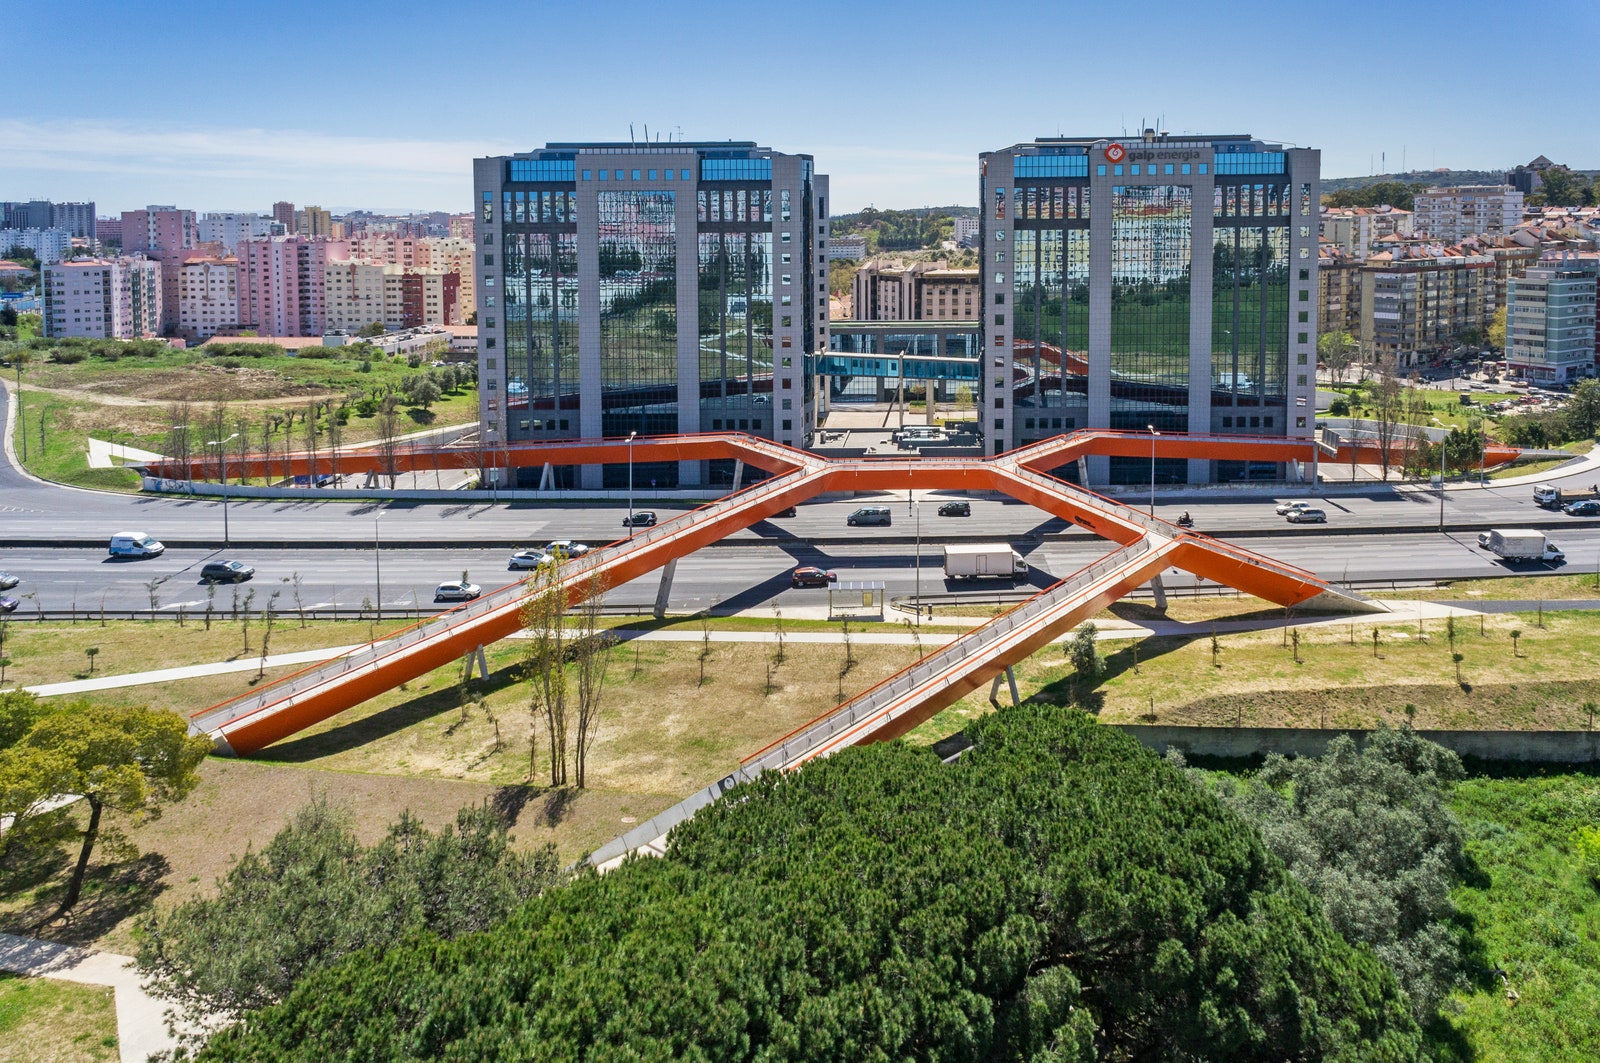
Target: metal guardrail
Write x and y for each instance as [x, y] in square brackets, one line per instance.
[929, 670]
[281, 695]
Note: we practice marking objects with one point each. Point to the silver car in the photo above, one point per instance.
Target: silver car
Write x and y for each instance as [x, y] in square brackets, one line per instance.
[526, 559]
[7, 581]
[456, 591]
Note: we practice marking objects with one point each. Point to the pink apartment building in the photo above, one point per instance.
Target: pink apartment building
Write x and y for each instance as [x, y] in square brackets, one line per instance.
[282, 284]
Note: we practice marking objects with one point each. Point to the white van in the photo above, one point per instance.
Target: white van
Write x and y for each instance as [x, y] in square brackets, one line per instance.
[135, 544]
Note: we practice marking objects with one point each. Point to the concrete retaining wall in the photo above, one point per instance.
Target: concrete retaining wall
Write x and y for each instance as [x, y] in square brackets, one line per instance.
[1537, 747]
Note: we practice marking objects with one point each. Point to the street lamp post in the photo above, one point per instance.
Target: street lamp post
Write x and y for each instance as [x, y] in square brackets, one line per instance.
[222, 449]
[1153, 434]
[1442, 451]
[631, 435]
[918, 511]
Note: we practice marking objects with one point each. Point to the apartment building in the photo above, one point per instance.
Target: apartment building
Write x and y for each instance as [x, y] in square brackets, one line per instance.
[1550, 324]
[847, 249]
[98, 298]
[1420, 300]
[362, 293]
[282, 284]
[966, 231]
[47, 245]
[1338, 290]
[916, 292]
[1149, 281]
[656, 288]
[313, 221]
[444, 254]
[1353, 229]
[226, 228]
[208, 297]
[1450, 215]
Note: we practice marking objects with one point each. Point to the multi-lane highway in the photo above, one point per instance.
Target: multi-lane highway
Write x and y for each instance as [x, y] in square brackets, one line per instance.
[54, 538]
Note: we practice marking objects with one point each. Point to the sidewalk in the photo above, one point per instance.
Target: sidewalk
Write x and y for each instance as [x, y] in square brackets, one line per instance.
[193, 671]
[141, 1025]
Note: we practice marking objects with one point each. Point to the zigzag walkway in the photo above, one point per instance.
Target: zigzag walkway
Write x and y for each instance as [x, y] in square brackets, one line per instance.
[903, 701]
[256, 720]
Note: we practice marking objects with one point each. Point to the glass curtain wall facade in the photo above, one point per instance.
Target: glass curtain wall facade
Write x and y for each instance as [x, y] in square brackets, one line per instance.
[539, 249]
[638, 261]
[735, 301]
[1050, 308]
[1149, 282]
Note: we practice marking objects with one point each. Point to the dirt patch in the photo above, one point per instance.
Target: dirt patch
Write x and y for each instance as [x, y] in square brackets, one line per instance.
[1490, 707]
[201, 382]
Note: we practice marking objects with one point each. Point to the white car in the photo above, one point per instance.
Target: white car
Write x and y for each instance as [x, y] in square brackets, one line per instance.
[1286, 508]
[456, 591]
[566, 548]
[525, 559]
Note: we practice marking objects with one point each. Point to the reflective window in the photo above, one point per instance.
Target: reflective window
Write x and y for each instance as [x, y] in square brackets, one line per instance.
[638, 310]
[1151, 227]
[540, 272]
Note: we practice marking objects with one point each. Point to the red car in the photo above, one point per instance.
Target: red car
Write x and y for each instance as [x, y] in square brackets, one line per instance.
[811, 577]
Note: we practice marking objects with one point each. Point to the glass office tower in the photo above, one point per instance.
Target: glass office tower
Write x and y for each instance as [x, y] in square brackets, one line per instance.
[1149, 283]
[651, 288]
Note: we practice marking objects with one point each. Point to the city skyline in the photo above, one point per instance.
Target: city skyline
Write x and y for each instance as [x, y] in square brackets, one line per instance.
[404, 132]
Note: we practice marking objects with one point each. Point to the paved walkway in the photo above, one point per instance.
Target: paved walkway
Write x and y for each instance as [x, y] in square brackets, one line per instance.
[101, 453]
[141, 1024]
[193, 671]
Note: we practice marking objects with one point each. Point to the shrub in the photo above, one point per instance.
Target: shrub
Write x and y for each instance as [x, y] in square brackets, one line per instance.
[66, 356]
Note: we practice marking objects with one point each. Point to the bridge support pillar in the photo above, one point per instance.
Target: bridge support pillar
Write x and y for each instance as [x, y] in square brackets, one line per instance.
[738, 474]
[1159, 589]
[547, 477]
[665, 590]
[994, 688]
[477, 657]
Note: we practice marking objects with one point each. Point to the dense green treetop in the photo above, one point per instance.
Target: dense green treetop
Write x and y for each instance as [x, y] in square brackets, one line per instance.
[1058, 894]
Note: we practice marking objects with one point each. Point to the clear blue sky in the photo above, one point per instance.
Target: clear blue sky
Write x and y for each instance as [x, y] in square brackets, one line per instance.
[224, 106]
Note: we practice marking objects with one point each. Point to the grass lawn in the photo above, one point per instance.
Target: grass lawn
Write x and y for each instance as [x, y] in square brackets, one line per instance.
[127, 400]
[1507, 588]
[43, 1020]
[1535, 913]
[1528, 468]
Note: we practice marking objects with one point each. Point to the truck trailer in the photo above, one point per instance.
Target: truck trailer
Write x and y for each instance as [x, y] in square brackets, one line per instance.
[1522, 544]
[1555, 497]
[983, 561]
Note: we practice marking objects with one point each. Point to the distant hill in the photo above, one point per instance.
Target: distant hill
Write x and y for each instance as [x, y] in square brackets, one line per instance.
[1428, 178]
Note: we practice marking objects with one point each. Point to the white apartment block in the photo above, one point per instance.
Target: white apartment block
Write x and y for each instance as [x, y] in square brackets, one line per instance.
[847, 249]
[95, 298]
[966, 231]
[48, 245]
[354, 294]
[361, 293]
[1450, 215]
[208, 297]
[227, 228]
[1353, 229]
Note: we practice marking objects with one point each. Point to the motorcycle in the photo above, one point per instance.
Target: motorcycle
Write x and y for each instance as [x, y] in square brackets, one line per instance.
[1186, 521]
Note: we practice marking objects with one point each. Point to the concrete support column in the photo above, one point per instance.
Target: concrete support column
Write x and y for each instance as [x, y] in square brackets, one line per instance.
[1159, 589]
[1011, 679]
[664, 591]
[547, 477]
[738, 474]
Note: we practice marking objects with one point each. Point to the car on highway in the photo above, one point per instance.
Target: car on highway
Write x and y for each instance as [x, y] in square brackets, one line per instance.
[956, 509]
[225, 572]
[1589, 507]
[1306, 516]
[456, 591]
[869, 515]
[1483, 540]
[7, 581]
[566, 548]
[1286, 508]
[9, 604]
[530, 558]
[810, 576]
[643, 518]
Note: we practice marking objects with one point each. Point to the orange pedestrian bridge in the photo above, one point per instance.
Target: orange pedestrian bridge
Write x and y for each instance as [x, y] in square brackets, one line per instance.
[1144, 547]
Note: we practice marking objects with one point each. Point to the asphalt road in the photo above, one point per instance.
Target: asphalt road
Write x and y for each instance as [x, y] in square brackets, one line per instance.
[424, 544]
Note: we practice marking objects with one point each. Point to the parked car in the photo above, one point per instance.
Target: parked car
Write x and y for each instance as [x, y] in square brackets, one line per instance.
[566, 548]
[1306, 516]
[456, 591]
[956, 509]
[9, 604]
[525, 559]
[642, 518]
[809, 576]
[1587, 508]
[7, 581]
[1286, 508]
[226, 572]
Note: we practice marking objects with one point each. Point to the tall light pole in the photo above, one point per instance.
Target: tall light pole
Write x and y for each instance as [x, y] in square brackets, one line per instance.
[631, 436]
[222, 445]
[1445, 439]
[1153, 434]
[918, 511]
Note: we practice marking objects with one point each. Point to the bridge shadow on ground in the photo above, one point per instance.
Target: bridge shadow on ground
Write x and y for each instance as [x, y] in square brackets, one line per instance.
[352, 734]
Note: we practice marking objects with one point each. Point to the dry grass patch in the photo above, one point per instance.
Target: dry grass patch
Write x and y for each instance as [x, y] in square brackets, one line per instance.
[1550, 588]
[43, 1020]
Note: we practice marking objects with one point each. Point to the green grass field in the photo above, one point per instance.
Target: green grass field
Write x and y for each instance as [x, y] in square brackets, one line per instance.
[43, 1020]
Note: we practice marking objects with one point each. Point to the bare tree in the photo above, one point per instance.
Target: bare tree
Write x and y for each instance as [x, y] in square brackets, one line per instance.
[1388, 410]
[777, 629]
[544, 663]
[312, 422]
[180, 442]
[593, 657]
[388, 438]
[244, 617]
[268, 615]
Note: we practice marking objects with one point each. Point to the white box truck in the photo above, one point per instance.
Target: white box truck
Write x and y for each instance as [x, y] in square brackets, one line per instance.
[983, 561]
[1523, 544]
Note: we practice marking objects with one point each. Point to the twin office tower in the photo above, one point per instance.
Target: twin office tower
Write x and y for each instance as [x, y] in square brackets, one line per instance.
[1132, 282]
